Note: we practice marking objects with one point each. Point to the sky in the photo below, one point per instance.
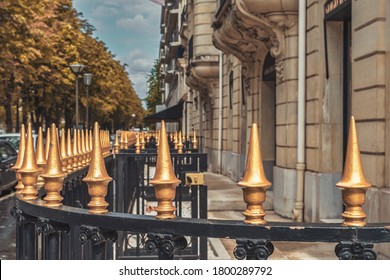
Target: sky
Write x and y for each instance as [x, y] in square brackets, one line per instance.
[131, 31]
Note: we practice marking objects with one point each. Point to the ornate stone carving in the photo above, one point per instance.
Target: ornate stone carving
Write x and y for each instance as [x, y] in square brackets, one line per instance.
[244, 27]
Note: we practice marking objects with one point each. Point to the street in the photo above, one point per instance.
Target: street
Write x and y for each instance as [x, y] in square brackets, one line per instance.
[7, 228]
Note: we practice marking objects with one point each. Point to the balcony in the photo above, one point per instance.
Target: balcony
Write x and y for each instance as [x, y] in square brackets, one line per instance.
[240, 27]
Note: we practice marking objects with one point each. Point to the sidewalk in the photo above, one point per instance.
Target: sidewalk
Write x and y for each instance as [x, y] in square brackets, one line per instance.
[225, 201]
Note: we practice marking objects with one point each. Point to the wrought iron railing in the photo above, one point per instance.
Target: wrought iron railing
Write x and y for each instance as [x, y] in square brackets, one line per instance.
[48, 231]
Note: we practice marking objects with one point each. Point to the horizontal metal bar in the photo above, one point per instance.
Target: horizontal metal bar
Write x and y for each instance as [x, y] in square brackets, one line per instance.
[316, 232]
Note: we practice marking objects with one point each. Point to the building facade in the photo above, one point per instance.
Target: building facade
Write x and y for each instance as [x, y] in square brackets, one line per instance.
[299, 69]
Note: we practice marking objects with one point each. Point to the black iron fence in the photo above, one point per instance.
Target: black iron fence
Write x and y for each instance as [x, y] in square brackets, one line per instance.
[129, 193]
[128, 230]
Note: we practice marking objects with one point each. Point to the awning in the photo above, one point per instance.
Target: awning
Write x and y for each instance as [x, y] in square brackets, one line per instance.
[171, 114]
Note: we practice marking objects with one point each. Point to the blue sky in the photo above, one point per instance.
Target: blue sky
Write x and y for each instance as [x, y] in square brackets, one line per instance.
[130, 29]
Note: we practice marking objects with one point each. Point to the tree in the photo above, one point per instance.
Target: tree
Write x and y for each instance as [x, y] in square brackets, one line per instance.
[153, 97]
[38, 42]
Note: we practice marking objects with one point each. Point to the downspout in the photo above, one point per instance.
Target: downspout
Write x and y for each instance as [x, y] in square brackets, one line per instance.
[220, 112]
[301, 165]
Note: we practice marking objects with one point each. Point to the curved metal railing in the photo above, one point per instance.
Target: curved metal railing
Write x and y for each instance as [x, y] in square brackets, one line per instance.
[49, 231]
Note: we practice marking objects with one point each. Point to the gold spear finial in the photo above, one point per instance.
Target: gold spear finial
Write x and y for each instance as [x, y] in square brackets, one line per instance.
[19, 161]
[83, 150]
[47, 144]
[54, 174]
[353, 184]
[157, 139]
[194, 141]
[137, 144]
[164, 181]
[41, 157]
[122, 140]
[75, 152]
[254, 183]
[64, 154]
[126, 141]
[90, 145]
[29, 169]
[175, 141]
[180, 144]
[79, 151]
[69, 167]
[97, 178]
[87, 149]
[116, 143]
[142, 140]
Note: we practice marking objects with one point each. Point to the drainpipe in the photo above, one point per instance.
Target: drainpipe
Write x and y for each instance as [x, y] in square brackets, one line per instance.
[220, 112]
[301, 165]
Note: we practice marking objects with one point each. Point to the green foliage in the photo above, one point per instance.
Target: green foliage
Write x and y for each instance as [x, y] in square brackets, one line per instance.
[154, 95]
[38, 42]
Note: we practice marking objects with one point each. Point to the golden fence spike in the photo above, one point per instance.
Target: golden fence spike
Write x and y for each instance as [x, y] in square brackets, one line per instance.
[64, 153]
[29, 170]
[75, 152]
[90, 144]
[47, 144]
[353, 184]
[54, 174]
[116, 143]
[86, 141]
[121, 140]
[41, 157]
[180, 144]
[164, 181]
[69, 167]
[137, 144]
[142, 140]
[125, 141]
[194, 141]
[79, 151]
[254, 183]
[19, 160]
[97, 178]
[157, 139]
[83, 150]
[175, 140]
[58, 138]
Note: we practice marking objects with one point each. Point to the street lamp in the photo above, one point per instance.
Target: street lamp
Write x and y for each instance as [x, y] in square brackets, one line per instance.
[87, 82]
[133, 120]
[77, 69]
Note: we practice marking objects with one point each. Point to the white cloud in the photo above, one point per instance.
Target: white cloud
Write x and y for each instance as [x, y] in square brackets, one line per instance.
[130, 28]
[139, 62]
[138, 22]
[104, 11]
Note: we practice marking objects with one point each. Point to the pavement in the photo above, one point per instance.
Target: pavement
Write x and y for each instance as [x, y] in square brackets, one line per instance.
[225, 201]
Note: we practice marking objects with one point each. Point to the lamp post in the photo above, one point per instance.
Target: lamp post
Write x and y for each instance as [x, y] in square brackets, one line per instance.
[77, 69]
[133, 120]
[87, 82]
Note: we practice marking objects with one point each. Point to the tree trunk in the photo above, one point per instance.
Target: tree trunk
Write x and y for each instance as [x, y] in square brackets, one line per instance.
[8, 102]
